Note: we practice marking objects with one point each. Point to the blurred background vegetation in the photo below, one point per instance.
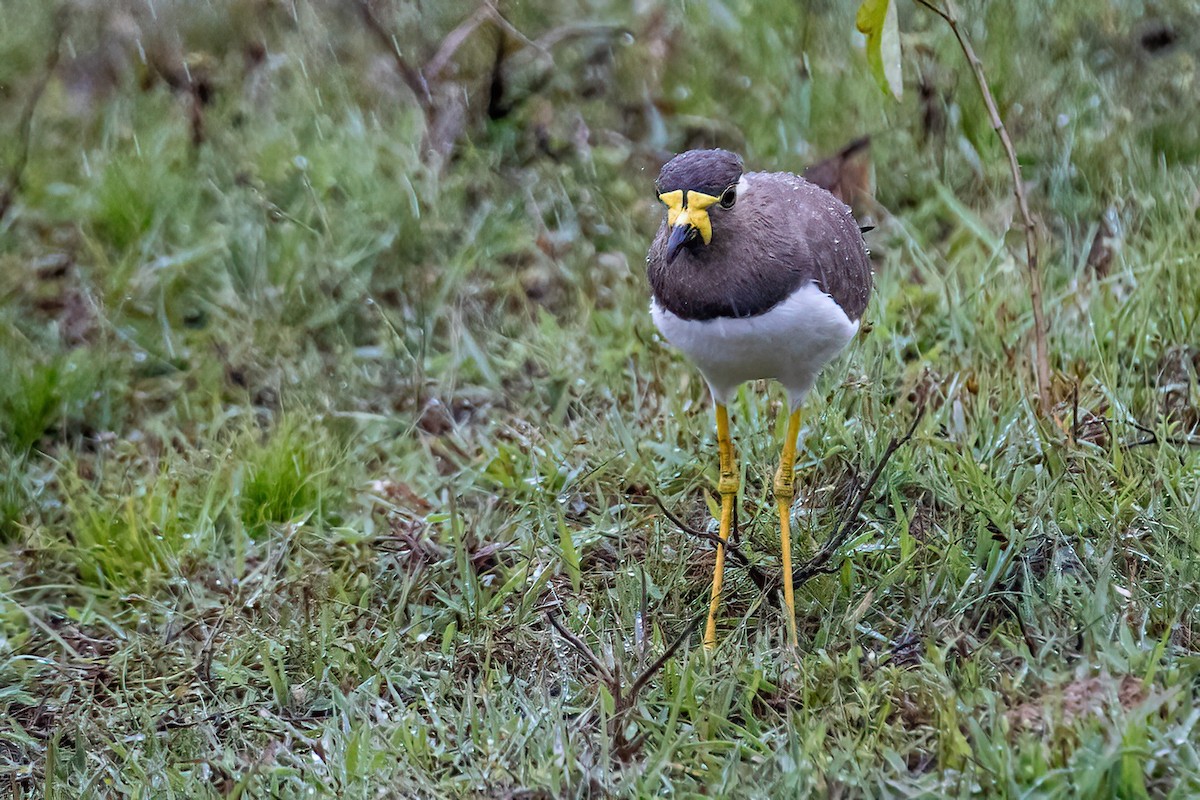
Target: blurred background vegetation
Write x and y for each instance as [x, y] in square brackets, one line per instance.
[325, 370]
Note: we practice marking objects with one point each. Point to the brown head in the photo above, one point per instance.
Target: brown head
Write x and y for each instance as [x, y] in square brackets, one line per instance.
[693, 186]
[735, 245]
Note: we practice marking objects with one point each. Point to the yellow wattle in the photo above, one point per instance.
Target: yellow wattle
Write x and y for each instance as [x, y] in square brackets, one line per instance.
[695, 213]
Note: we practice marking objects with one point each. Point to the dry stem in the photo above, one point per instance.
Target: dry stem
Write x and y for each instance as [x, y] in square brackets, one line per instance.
[819, 563]
[1042, 365]
[25, 126]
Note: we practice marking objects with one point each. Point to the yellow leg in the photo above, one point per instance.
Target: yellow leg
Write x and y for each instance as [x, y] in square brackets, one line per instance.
[785, 480]
[727, 487]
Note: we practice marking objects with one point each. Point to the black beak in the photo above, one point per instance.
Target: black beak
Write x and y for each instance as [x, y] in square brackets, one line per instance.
[681, 235]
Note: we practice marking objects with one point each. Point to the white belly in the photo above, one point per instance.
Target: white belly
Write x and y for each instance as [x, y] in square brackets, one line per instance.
[790, 343]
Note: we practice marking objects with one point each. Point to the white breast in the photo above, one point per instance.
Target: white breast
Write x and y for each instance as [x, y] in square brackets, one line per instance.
[790, 343]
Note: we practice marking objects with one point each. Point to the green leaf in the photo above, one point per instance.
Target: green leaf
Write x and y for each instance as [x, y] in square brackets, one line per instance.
[877, 19]
[569, 553]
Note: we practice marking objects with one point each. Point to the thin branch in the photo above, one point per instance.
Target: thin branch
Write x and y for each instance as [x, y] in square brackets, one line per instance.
[512, 30]
[179, 78]
[623, 700]
[818, 564]
[934, 9]
[651, 670]
[420, 78]
[16, 175]
[1042, 366]
[1142, 427]
[411, 75]
[760, 578]
[1030, 642]
[455, 39]
[1152, 437]
[584, 650]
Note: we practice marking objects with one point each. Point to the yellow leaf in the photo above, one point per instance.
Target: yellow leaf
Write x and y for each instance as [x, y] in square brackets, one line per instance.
[877, 20]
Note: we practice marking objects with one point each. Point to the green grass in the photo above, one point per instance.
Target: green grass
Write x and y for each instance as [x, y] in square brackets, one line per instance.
[302, 434]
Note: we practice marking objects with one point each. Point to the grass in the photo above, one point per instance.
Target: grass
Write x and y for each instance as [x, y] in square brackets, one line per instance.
[303, 433]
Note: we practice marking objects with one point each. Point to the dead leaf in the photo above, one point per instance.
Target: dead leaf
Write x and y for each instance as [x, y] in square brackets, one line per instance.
[847, 174]
[1100, 255]
[1178, 370]
[1080, 698]
[401, 494]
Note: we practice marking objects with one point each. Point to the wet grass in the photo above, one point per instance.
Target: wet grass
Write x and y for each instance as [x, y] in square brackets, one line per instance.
[304, 432]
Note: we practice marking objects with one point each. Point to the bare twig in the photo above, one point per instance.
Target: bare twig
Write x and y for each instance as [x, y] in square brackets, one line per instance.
[25, 126]
[419, 78]
[512, 30]
[1042, 366]
[1152, 437]
[454, 40]
[585, 651]
[567, 33]
[179, 77]
[623, 700]
[411, 75]
[819, 563]
[1030, 642]
[445, 120]
[651, 670]
[760, 578]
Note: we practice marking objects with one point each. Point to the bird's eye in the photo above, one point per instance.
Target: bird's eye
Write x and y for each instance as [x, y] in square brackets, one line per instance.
[729, 196]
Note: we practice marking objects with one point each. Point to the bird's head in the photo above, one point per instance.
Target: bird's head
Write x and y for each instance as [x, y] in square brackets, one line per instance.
[697, 186]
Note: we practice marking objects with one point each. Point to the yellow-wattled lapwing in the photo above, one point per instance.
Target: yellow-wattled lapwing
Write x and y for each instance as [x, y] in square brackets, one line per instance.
[754, 275]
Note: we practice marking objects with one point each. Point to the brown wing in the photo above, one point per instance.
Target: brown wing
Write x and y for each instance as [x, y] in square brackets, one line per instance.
[822, 236]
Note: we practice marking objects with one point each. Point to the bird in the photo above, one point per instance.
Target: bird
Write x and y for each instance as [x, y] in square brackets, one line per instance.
[754, 275]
